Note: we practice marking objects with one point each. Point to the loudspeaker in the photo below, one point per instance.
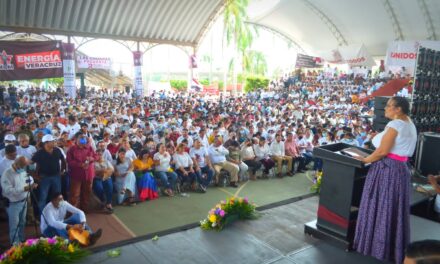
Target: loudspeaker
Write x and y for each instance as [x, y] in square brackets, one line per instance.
[380, 102]
[428, 153]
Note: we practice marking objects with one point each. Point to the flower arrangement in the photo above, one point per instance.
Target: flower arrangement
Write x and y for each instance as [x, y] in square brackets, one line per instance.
[228, 211]
[43, 250]
[316, 187]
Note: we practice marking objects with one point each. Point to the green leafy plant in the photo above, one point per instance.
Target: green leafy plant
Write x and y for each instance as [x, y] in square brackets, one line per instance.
[255, 82]
[179, 84]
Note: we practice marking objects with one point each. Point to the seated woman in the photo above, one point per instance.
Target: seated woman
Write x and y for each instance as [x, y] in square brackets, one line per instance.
[125, 181]
[147, 188]
[184, 166]
[168, 177]
[102, 183]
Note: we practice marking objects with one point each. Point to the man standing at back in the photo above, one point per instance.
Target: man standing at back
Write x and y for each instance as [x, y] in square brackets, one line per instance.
[80, 159]
[50, 166]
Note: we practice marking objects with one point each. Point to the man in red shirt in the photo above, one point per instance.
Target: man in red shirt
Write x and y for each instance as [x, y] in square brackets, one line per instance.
[292, 150]
[80, 159]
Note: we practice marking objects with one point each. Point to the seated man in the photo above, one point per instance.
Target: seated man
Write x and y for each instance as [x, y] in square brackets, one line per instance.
[217, 155]
[279, 155]
[53, 222]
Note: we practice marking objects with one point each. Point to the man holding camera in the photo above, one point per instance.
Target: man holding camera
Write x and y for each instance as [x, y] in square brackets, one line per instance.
[16, 185]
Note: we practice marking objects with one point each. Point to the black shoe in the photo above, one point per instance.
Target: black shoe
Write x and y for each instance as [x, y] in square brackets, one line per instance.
[301, 171]
[202, 188]
[95, 237]
[233, 185]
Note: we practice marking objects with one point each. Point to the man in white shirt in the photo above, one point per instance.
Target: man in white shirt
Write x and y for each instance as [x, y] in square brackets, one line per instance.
[10, 155]
[279, 155]
[53, 222]
[185, 136]
[24, 149]
[9, 140]
[15, 187]
[202, 164]
[73, 127]
[217, 154]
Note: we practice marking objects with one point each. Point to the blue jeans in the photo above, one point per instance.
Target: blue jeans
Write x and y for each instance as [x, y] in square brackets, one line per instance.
[15, 213]
[73, 220]
[168, 179]
[189, 178]
[47, 183]
[205, 181]
[103, 189]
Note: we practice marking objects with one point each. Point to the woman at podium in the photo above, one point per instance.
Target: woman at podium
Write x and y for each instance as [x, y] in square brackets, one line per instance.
[382, 229]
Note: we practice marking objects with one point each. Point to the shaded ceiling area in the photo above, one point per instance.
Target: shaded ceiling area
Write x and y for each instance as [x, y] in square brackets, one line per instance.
[322, 25]
[179, 22]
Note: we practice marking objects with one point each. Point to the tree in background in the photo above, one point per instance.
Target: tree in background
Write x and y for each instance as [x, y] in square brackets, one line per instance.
[238, 32]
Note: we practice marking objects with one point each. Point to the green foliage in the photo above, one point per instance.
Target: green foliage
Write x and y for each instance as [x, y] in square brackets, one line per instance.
[180, 85]
[255, 82]
[204, 82]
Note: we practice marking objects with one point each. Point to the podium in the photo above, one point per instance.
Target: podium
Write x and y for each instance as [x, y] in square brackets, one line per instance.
[341, 191]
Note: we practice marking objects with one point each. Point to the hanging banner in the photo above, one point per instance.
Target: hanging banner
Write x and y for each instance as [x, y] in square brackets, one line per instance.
[69, 69]
[24, 60]
[193, 61]
[353, 55]
[138, 87]
[306, 61]
[404, 53]
[85, 62]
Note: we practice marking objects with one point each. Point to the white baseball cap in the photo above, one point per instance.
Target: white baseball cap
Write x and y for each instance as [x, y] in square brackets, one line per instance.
[10, 137]
[48, 138]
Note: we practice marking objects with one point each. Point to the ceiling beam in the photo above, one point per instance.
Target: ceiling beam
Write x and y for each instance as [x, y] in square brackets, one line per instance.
[428, 19]
[342, 41]
[398, 34]
[92, 35]
[297, 46]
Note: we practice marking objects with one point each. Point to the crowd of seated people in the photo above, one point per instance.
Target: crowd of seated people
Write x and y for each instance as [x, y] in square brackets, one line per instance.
[125, 150]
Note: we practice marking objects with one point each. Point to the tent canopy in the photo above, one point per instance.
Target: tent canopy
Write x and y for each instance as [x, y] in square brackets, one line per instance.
[179, 22]
[323, 25]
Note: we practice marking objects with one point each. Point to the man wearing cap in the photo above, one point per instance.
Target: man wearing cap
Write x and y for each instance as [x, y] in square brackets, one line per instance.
[81, 158]
[9, 140]
[50, 166]
[8, 159]
[15, 185]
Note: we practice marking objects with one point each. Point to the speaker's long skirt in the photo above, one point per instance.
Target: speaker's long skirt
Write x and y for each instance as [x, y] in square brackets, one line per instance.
[382, 229]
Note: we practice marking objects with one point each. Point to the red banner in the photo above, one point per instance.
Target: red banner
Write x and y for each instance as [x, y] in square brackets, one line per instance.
[23, 60]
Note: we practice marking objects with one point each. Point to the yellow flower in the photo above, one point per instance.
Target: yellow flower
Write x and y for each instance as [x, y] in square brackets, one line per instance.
[218, 206]
[70, 248]
[240, 200]
[212, 218]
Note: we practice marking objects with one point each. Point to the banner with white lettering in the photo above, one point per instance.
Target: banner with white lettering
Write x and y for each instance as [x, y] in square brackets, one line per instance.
[24, 60]
[138, 87]
[404, 53]
[69, 69]
[353, 55]
[85, 62]
[306, 61]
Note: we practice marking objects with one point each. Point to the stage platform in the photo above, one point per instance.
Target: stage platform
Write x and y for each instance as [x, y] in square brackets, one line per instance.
[277, 237]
